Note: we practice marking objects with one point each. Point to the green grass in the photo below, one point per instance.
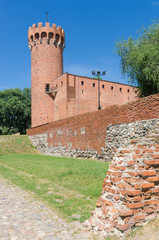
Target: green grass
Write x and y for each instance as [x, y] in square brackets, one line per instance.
[16, 144]
[69, 186]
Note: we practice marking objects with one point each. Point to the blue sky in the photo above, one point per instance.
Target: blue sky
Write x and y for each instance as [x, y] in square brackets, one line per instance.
[91, 27]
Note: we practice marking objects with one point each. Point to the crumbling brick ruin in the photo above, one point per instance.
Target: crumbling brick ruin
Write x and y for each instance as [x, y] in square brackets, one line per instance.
[130, 193]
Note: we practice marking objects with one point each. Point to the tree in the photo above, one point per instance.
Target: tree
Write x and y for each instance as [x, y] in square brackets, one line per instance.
[15, 110]
[140, 59]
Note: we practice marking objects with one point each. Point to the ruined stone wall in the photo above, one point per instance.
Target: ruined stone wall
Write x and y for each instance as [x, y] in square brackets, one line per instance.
[84, 135]
[130, 193]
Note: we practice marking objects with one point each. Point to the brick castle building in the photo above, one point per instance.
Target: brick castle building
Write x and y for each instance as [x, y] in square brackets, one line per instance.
[56, 95]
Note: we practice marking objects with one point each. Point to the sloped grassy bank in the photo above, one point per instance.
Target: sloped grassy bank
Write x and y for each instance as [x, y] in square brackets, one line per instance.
[70, 186]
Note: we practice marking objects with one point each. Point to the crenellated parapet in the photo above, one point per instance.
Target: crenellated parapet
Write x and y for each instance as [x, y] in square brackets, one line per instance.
[46, 34]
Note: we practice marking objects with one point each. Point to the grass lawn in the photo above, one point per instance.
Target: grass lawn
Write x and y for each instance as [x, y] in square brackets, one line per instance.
[69, 186]
[16, 144]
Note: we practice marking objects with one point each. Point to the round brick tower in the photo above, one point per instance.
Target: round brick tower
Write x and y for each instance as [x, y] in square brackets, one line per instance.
[46, 45]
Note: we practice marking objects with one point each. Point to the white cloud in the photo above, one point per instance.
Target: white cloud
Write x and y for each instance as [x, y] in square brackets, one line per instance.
[155, 3]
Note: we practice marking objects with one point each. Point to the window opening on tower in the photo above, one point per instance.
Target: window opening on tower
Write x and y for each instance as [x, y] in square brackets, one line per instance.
[62, 40]
[31, 37]
[57, 38]
[50, 35]
[47, 88]
[43, 34]
[36, 35]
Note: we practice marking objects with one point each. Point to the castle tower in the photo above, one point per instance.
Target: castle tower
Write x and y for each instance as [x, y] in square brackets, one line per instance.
[46, 45]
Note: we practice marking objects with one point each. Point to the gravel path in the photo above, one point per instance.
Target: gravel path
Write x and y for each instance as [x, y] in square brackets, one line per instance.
[24, 218]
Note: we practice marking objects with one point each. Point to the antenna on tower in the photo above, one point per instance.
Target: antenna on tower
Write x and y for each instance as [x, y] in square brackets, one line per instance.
[47, 16]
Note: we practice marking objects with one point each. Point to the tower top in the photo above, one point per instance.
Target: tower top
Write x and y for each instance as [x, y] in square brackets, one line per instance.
[40, 33]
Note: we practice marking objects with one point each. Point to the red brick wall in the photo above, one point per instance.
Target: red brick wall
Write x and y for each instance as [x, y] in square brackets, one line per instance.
[82, 96]
[110, 94]
[59, 102]
[95, 124]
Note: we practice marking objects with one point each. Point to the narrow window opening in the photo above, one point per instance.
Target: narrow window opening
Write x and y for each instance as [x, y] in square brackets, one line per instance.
[36, 35]
[128, 90]
[43, 34]
[120, 89]
[61, 83]
[50, 35]
[62, 40]
[82, 82]
[111, 87]
[82, 91]
[47, 88]
[135, 92]
[57, 37]
[103, 86]
[93, 84]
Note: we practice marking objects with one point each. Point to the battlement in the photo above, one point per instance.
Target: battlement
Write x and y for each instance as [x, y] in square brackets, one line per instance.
[46, 34]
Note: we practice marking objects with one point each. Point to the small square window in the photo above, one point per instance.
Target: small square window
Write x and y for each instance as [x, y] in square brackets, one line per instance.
[82, 82]
[111, 87]
[103, 86]
[93, 84]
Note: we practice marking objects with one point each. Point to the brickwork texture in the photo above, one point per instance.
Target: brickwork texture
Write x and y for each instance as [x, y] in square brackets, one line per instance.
[46, 45]
[84, 135]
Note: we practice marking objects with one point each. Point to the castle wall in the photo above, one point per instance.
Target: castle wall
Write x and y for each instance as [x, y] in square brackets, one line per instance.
[111, 93]
[84, 135]
[87, 97]
[78, 95]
